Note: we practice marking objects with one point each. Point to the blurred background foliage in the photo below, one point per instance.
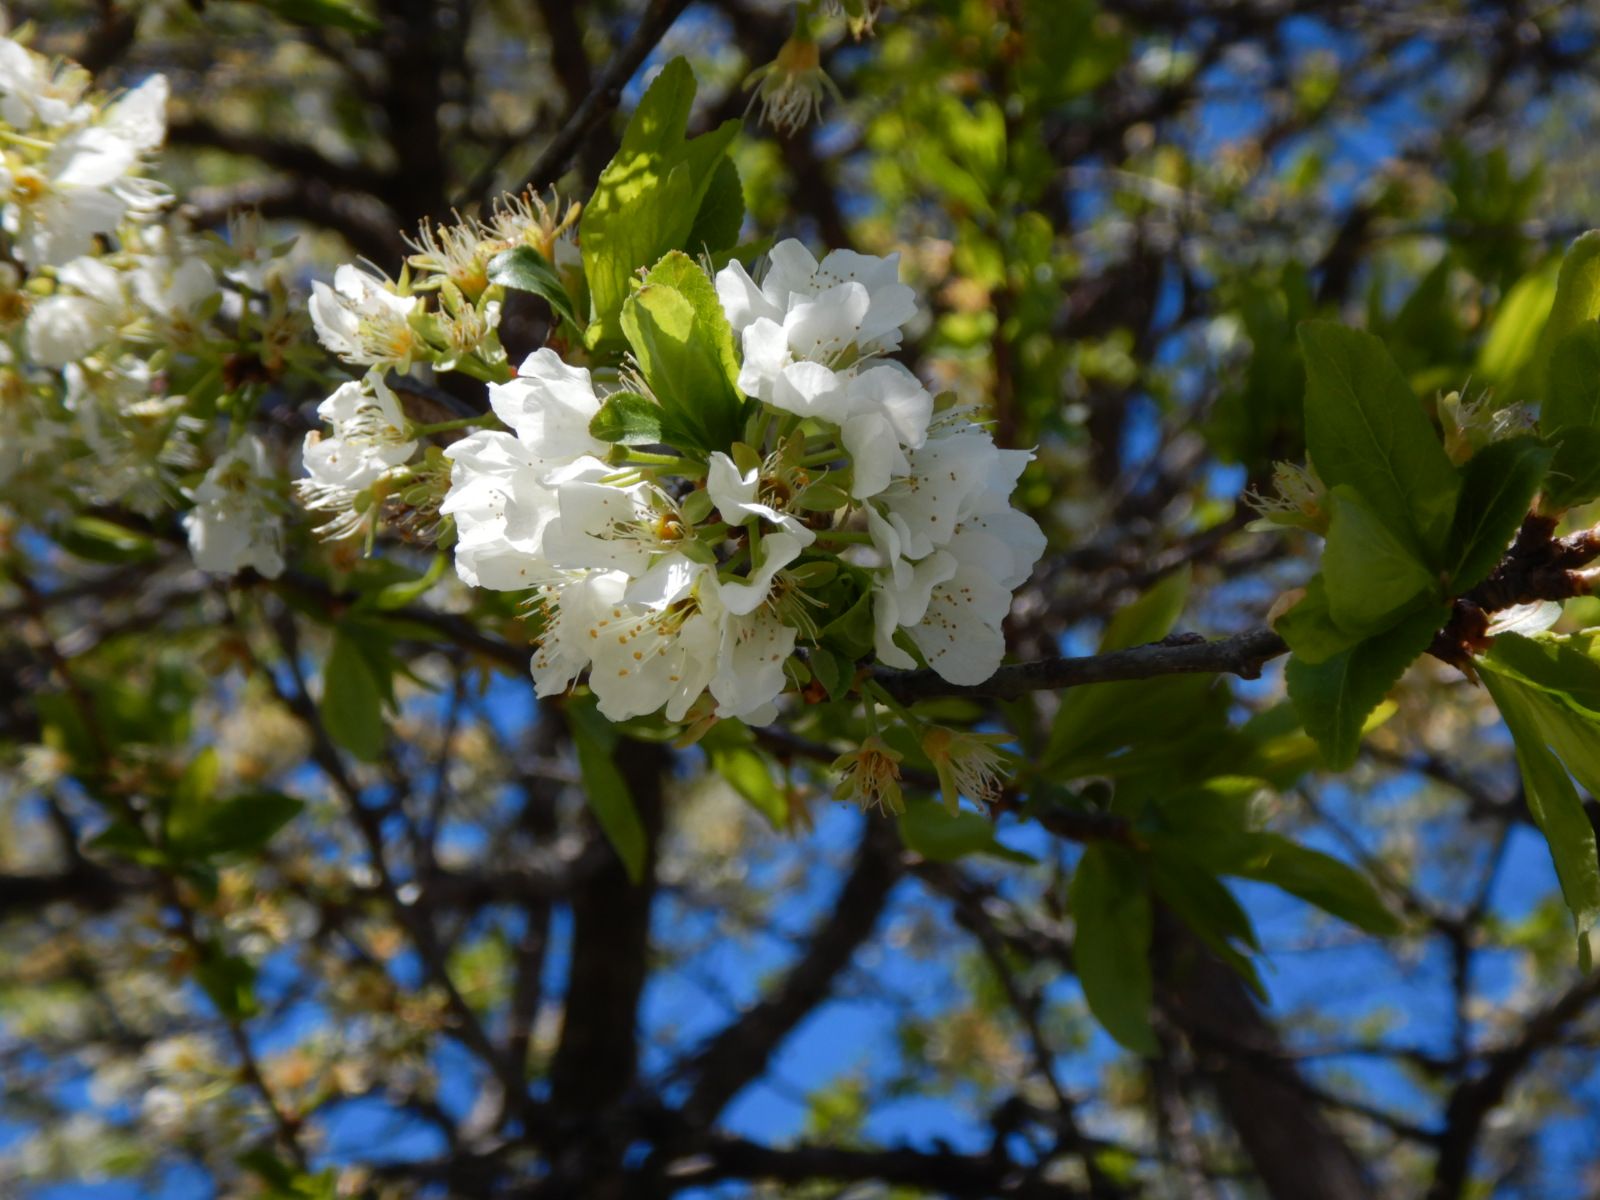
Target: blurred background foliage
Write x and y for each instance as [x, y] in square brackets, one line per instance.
[429, 974]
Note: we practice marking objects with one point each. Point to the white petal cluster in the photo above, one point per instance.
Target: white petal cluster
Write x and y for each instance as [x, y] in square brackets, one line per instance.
[71, 170]
[687, 587]
[363, 320]
[949, 550]
[368, 440]
[105, 323]
[232, 524]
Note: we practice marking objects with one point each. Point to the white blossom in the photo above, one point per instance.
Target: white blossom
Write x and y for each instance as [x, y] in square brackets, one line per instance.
[362, 319]
[232, 525]
[367, 442]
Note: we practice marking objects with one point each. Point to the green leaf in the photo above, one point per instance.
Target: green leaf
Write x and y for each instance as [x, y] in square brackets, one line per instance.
[852, 633]
[524, 269]
[605, 789]
[1151, 617]
[325, 14]
[1206, 905]
[1320, 880]
[104, 541]
[821, 496]
[1371, 573]
[834, 675]
[1508, 348]
[1141, 725]
[684, 345]
[241, 824]
[1552, 800]
[1497, 488]
[1334, 698]
[230, 981]
[408, 591]
[1365, 428]
[1310, 629]
[630, 419]
[1572, 398]
[939, 835]
[126, 840]
[648, 197]
[746, 770]
[1574, 475]
[1577, 300]
[1567, 667]
[352, 700]
[716, 225]
[1111, 949]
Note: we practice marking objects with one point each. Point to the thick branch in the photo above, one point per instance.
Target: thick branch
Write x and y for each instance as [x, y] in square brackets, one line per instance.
[598, 1053]
[941, 1174]
[1296, 1152]
[740, 1052]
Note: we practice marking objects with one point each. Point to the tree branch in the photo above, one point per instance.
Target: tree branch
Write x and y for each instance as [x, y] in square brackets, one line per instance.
[1243, 655]
[740, 1052]
[605, 97]
[941, 1174]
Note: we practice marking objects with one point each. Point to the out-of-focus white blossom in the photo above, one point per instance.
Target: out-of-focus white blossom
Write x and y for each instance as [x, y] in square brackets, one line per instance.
[232, 524]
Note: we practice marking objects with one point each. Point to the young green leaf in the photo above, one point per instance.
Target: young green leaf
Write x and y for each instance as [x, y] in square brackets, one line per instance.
[1111, 909]
[1335, 697]
[942, 836]
[649, 196]
[1365, 428]
[326, 14]
[1151, 617]
[1497, 488]
[604, 787]
[352, 700]
[1509, 347]
[1574, 474]
[717, 224]
[1577, 300]
[1552, 800]
[1372, 574]
[747, 772]
[1205, 904]
[1319, 880]
[1572, 398]
[684, 345]
[408, 591]
[630, 419]
[524, 269]
[1309, 627]
[230, 982]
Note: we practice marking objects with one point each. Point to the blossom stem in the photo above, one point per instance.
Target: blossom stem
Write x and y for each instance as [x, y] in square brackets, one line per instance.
[764, 424]
[484, 372]
[446, 426]
[877, 692]
[855, 537]
[831, 454]
[10, 135]
[675, 463]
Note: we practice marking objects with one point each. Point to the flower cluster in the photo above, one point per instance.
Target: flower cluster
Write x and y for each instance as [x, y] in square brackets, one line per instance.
[853, 514]
[443, 312]
[115, 326]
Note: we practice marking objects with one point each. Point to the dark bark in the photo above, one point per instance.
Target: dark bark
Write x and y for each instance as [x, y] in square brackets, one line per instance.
[740, 1053]
[1293, 1148]
[598, 1053]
